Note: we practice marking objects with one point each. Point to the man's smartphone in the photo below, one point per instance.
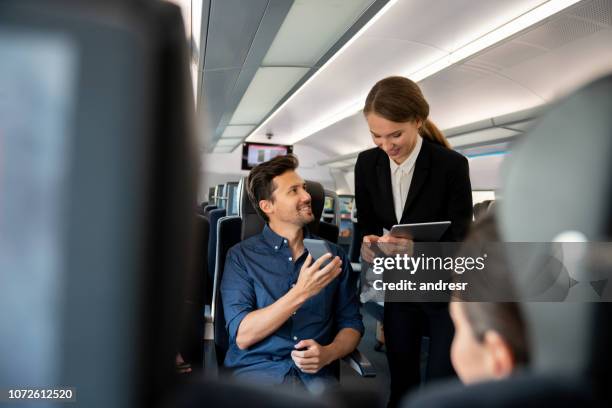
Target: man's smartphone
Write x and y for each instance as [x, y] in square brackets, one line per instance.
[317, 248]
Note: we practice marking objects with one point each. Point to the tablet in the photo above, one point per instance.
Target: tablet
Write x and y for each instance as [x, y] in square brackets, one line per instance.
[317, 248]
[423, 232]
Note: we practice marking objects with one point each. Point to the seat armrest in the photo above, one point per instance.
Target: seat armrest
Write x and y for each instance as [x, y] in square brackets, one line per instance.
[359, 362]
[207, 312]
[211, 367]
[209, 328]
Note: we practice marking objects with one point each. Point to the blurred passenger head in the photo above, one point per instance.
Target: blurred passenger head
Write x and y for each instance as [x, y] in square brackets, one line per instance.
[490, 338]
[278, 193]
[396, 112]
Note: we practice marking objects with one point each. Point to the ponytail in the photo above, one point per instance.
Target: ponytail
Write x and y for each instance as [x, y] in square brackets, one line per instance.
[431, 132]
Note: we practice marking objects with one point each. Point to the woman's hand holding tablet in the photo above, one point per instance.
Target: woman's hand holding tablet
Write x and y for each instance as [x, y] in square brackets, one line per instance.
[386, 245]
[391, 245]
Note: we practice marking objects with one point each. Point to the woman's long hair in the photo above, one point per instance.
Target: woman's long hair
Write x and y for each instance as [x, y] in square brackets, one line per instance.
[399, 99]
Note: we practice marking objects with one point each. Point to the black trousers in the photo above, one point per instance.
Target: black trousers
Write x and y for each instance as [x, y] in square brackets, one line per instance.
[404, 325]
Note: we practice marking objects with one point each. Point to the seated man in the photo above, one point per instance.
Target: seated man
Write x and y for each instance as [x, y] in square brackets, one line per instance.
[288, 318]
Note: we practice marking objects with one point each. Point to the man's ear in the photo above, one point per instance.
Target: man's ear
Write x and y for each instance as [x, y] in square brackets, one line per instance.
[266, 206]
[500, 354]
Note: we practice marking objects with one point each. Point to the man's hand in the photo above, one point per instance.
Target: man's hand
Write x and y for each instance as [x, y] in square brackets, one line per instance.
[312, 357]
[260, 323]
[312, 279]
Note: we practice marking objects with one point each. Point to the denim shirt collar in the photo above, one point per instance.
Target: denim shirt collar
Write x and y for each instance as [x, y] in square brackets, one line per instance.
[275, 240]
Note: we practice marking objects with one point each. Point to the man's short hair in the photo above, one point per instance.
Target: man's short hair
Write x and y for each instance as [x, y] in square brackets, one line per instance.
[503, 317]
[260, 185]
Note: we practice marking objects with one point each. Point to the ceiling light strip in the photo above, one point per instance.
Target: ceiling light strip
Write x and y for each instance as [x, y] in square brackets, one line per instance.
[507, 30]
[359, 33]
[501, 33]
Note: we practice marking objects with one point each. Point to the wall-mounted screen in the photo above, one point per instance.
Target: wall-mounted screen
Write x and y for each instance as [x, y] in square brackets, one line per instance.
[256, 153]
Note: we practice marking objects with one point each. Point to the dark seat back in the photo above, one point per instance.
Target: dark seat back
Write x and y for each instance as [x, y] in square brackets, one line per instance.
[228, 235]
[213, 217]
[329, 232]
[526, 390]
[355, 248]
[208, 209]
[199, 288]
[201, 254]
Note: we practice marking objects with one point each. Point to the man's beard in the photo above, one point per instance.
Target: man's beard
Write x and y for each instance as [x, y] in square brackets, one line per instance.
[305, 216]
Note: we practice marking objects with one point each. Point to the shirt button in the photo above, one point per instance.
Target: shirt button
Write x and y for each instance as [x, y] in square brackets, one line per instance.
[285, 241]
[293, 285]
[295, 338]
[294, 313]
[276, 247]
[291, 258]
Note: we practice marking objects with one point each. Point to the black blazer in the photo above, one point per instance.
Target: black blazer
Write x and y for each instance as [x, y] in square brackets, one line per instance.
[440, 191]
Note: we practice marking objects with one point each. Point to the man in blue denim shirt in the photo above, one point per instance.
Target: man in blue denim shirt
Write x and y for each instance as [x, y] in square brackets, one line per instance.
[288, 318]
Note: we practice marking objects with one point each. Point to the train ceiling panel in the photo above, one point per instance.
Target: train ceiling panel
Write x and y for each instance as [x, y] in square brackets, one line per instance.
[409, 36]
[257, 51]
[526, 70]
[543, 60]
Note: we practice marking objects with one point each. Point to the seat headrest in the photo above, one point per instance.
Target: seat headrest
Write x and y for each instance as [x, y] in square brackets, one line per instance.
[317, 194]
[253, 224]
[558, 176]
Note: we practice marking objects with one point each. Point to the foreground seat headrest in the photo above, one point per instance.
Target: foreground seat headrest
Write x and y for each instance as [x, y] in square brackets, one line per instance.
[558, 180]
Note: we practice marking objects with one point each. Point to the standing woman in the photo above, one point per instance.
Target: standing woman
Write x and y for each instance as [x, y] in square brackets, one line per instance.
[411, 176]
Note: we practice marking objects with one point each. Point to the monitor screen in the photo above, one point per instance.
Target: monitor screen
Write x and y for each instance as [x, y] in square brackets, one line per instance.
[256, 153]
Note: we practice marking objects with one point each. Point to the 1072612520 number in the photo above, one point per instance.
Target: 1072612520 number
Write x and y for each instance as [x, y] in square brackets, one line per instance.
[66, 394]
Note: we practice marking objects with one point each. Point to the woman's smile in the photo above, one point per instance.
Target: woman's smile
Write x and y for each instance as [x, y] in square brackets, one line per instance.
[394, 151]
